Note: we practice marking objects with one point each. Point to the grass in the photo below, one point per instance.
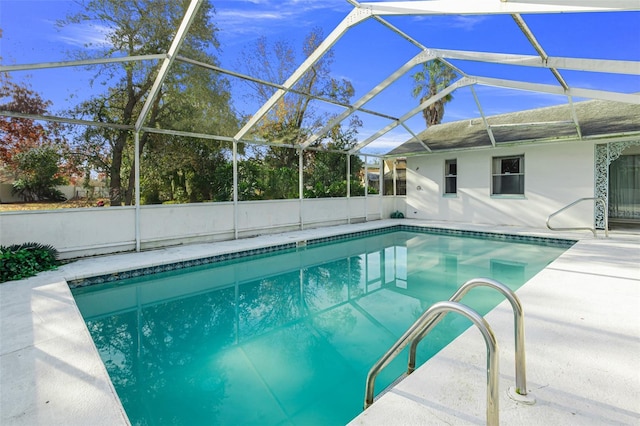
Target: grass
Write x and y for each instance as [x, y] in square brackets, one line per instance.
[70, 204]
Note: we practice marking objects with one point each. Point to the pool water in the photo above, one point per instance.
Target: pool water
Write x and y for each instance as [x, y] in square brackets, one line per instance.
[287, 338]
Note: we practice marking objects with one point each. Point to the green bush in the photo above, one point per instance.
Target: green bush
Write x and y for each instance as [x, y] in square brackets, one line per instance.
[25, 260]
[38, 175]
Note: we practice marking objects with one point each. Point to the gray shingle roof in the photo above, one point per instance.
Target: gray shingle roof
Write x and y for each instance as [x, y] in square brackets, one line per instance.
[596, 118]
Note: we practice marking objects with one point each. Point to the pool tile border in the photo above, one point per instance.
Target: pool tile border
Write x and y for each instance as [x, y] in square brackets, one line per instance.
[495, 236]
[546, 241]
[134, 273]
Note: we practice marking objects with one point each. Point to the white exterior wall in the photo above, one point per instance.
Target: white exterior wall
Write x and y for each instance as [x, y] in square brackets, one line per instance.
[160, 225]
[318, 211]
[373, 204]
[263, 217]
[555, 176]
[73, 232]
[91, 231]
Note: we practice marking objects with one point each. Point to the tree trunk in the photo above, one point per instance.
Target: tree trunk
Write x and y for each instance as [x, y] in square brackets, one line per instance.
[132, 173]
[143, 141]
[115, 186]
[434, 113]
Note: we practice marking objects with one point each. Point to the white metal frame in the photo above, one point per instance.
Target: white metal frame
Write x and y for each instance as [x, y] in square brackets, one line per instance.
[378, 11]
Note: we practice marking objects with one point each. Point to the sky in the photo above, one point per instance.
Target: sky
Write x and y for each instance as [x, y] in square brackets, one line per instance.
[365, 55]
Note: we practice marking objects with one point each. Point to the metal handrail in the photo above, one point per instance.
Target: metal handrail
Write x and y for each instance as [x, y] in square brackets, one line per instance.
[518, 325]
[438, 310]
[593, 229]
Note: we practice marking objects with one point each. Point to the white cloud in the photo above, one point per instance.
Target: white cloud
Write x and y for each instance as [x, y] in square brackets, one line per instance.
[82, 35]
[261, 17]
[467, 23]
[384, 143]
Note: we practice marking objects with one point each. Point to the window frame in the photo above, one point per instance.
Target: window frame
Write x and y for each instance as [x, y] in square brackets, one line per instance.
[501, 173]
[450, 177]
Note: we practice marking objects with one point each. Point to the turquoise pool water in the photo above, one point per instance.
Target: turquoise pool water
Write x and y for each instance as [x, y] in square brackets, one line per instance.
[287, 338]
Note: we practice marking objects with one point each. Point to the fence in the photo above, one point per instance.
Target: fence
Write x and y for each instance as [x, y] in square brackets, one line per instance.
[91, 231]
[69, 191]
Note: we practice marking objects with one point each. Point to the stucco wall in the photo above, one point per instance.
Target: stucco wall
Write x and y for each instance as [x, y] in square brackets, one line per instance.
[91, 231]
[74, 232]
[162, 225]
[555, 176]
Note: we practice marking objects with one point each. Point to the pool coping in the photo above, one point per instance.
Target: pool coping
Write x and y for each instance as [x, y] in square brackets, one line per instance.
[55, 374]
[226, 256]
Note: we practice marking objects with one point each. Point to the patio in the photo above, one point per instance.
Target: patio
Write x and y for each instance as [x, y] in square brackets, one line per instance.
[582, 336]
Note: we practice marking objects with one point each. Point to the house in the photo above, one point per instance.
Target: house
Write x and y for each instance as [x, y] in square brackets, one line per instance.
[519, 168]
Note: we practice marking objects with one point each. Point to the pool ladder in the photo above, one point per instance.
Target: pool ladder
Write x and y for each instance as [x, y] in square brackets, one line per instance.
[430, 318]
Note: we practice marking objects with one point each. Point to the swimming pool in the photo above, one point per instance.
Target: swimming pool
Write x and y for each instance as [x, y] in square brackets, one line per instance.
[287, 337]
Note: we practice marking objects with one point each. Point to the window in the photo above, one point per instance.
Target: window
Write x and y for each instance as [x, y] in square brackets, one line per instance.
[450, 177]
[508, 175]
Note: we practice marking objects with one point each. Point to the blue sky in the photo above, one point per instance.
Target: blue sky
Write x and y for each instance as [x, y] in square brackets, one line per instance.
[367, 54]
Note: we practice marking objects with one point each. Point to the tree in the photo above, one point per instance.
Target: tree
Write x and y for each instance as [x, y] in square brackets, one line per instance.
[39, 174]
[326, 175]
[431, 79]
[293, 118]
[192, 169]
[184, 170]
[20, 134]
[35, 154]
[142, 27]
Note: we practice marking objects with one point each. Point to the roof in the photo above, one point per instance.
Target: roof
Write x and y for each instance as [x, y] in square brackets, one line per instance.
[594, 119]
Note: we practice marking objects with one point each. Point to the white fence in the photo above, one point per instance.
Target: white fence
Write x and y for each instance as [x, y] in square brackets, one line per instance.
[90, 231]
[69, 191]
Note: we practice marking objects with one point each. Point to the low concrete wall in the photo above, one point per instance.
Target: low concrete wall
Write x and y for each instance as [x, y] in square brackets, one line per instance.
[264, 217]
[92, 231]
[163, 225]
[74, 232]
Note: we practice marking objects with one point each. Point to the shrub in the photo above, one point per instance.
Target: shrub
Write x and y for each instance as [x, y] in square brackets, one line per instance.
[38, 172]
[25, 260]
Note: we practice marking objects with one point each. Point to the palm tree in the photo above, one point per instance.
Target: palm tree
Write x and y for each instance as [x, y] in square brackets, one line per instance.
[434, 77]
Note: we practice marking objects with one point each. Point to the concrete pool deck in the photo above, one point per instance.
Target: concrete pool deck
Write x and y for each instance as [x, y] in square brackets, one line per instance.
[582, 321]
